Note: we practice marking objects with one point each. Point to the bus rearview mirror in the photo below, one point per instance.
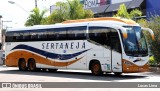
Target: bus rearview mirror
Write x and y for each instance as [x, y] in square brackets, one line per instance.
[150, 31]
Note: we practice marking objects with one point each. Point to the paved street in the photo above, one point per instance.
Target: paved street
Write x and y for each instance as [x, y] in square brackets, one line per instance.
[12, 74]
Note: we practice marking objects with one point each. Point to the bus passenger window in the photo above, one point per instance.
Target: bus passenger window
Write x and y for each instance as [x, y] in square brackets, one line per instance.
[26, 36]
[51, 35]
[100, 35]
[61, 33]
[34, 36]
[9, 37]
[76, 33]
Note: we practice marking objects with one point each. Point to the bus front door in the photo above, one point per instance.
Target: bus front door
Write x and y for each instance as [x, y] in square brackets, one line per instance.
[116, 56]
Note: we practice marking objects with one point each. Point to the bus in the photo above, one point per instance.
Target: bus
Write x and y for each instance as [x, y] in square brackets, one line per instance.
[107, 44]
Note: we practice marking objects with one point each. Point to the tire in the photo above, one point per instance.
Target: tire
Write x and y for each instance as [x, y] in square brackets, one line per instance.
[32, 65]
[96, 68]
[52, 70]
[22, 65]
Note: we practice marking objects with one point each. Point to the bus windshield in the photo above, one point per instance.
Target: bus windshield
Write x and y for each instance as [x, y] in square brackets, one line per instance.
[135, 44]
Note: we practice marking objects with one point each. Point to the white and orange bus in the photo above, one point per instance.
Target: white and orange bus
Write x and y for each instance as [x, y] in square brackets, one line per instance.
[107, 44]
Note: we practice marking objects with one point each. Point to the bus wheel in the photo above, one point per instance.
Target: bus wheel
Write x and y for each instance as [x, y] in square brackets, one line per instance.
[32, 65]
[52, 70]
[22, 65]
[118, 73]
[96, 68]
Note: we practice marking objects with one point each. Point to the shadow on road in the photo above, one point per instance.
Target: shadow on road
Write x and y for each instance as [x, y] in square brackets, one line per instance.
[76, 75]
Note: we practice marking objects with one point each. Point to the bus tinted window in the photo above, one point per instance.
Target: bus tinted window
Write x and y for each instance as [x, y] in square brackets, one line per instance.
[38, 35]
[26, 36]
[100, 35]
[76, 33]
[61, 33]
[56, 34]
[70, 33]
[9, 37]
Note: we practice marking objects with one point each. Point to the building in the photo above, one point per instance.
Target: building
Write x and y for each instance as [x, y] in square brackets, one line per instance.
[152, 8]
[102, 8]
[1, 32]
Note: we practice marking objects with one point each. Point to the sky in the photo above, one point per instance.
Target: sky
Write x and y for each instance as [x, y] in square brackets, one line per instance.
[17, 13]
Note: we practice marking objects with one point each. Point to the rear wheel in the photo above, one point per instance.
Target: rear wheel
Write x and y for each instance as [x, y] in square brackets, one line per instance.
[96, 68]
[22, 65]
[32, 65]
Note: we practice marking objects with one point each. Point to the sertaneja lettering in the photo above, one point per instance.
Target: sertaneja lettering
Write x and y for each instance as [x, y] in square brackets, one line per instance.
[66, 45]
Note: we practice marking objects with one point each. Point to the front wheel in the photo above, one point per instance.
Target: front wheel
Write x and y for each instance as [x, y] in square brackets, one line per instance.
[96, 68]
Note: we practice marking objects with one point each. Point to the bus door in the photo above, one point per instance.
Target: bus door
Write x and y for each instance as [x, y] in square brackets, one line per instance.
[116, 51]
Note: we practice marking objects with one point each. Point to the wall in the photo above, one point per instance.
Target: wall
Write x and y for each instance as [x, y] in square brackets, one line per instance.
[95, 3]
[152, 8]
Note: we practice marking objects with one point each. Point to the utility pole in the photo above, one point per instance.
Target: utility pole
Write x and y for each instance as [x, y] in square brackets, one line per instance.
[3, 33]
[35, 3]
[1, 26]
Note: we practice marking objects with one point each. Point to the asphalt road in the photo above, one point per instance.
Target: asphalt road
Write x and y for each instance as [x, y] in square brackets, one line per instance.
[12, 74]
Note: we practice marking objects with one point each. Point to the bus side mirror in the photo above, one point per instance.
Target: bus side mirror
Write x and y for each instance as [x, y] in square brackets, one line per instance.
[150, 31]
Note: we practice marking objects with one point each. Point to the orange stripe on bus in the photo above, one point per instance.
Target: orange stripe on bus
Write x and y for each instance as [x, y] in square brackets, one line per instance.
[132, 68]
[12, 59]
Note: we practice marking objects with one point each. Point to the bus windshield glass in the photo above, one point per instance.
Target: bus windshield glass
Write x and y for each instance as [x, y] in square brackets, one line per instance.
[135, 44]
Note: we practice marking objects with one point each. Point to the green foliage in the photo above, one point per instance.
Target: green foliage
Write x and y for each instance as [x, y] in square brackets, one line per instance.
[36, 17]
[151, 60]
[70, 10]
[122, 12]
[153, 24]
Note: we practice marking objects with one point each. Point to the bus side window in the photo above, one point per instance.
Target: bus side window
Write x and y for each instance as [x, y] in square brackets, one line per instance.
[100, 35]
[9, 37]
[34, 36]
[26, 36]
[76, 33]
[51, 35]
[42, 35]
[16, 37]
[56, 34]
[70, 34]
[61, 33]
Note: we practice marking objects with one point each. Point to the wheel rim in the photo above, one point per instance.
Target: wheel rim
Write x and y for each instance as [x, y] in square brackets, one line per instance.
[23, 65]
[96, 68]
[32, 65]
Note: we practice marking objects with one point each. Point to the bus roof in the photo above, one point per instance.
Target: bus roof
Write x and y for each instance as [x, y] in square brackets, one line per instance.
[118, 19]
[80, 22]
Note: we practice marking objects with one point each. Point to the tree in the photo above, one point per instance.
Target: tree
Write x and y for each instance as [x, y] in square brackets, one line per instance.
[36, 17]
[70, 10]
[122, 12]
[155, 44]
[59, 14]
